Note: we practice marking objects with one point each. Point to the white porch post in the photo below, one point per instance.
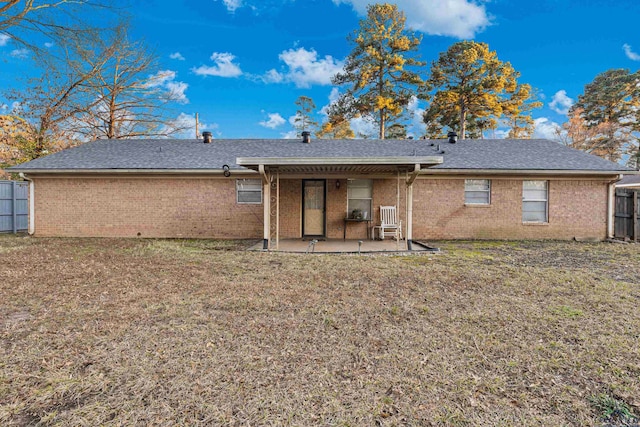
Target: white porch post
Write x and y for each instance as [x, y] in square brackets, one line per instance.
[266, 202]
[277, 210]
[409, 228]
[409, 215]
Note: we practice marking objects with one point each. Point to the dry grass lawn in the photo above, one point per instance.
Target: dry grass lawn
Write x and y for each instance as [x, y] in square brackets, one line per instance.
[170, 332]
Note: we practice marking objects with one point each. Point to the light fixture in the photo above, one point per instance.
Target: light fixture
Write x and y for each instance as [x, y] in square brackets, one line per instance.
[337, 184]
[227, 172]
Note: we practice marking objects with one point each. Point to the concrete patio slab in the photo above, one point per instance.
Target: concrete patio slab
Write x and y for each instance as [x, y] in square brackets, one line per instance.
[341, 246]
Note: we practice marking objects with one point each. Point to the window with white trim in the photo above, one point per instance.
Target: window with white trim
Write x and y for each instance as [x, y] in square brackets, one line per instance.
[359, 197]
[535, 201]
[477, 191]
[249, 191]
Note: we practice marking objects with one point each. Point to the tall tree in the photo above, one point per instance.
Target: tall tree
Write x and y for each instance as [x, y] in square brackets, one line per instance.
[379, 71]
[60, 94]
[303, 120]
[132, 97]
[396, 131]
[56, 19]
[16, 140]
[103, 86]
[472, 89]
[31, 23]
[610, 107]
[517, 112]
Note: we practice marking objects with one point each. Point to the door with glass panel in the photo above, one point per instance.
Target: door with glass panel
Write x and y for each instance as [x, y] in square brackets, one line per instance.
[313, 207]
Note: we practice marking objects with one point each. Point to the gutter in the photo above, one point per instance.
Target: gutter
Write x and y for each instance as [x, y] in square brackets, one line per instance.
[433, 171]
[32, 204]
[611, 203]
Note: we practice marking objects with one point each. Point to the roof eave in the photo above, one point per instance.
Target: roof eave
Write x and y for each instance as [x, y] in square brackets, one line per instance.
[133, 171]
[432, 171]
[338, 161]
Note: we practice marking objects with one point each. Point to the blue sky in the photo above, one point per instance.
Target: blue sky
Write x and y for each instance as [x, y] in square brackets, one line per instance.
[241, 64]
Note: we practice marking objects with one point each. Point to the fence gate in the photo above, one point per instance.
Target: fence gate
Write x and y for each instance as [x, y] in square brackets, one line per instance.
[14, 206]
[627, 215]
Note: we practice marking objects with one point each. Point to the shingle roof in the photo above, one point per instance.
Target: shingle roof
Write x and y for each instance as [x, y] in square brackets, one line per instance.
[172, 154]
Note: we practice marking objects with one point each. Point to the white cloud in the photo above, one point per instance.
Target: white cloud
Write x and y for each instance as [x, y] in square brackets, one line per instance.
[545, 128]
[4, 39]
[304, 68]
[187, 122]
[292, 119]
[273, 76]
[416, 127]
[560, 103]
[161, 78]
[20, 53]
[334, 95]
[275, 120]
[232, 5]
[176, 91]
[457, 18]
[364, 127]
[48, 45]
[177, 55]
[165, 79]
[292, 134]
[630, 53]
[224, 66]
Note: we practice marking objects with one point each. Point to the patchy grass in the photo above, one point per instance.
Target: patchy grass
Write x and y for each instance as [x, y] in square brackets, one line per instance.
[125, 332]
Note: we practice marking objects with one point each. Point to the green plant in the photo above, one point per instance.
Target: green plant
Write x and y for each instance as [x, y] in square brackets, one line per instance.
[613, 410]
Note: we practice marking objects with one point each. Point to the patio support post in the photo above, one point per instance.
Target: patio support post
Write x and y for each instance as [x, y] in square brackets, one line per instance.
[266, 202]
[277, 210]
[412, 178]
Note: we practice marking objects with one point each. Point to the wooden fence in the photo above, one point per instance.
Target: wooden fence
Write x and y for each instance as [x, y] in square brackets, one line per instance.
[14, 206]
[627, 219]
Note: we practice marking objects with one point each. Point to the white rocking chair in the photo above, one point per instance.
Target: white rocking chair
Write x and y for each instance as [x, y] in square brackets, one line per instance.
[389, 224]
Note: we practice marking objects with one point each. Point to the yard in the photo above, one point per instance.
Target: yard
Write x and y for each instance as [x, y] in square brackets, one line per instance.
[166, 332]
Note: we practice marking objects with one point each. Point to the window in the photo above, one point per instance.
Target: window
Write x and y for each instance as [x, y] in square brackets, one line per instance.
[249, 191]
[477, 192]
[534, 201]
[360, 197]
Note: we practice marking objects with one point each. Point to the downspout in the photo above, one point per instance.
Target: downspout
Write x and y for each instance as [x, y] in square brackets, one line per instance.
[611, 206]
[32, 204]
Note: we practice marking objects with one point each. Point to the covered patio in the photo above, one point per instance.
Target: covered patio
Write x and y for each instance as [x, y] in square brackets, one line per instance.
[403, 169]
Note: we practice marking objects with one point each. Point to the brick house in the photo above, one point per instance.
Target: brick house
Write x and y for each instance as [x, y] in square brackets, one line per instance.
[292, 189]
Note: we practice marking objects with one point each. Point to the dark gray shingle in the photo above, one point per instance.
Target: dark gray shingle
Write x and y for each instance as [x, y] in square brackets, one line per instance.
[173, 154]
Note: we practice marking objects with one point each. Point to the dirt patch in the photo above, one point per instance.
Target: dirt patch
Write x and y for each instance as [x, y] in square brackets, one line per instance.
[126, 331]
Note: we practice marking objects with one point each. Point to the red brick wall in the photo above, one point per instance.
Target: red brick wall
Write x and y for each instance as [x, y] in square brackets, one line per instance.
[152, 207]
[207, 208]
[577, 208]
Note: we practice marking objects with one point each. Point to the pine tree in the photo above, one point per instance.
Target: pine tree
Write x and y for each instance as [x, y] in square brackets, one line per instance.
[378, 71]
[471, 90]
[302, 120]
[611, 104]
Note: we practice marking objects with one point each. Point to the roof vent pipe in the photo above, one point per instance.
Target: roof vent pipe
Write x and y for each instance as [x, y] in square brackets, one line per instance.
[453, 137]
[208, 137]
[306, 137]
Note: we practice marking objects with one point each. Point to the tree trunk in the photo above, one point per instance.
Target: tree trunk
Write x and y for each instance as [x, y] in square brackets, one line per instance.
[381, 132]
[463, 122]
